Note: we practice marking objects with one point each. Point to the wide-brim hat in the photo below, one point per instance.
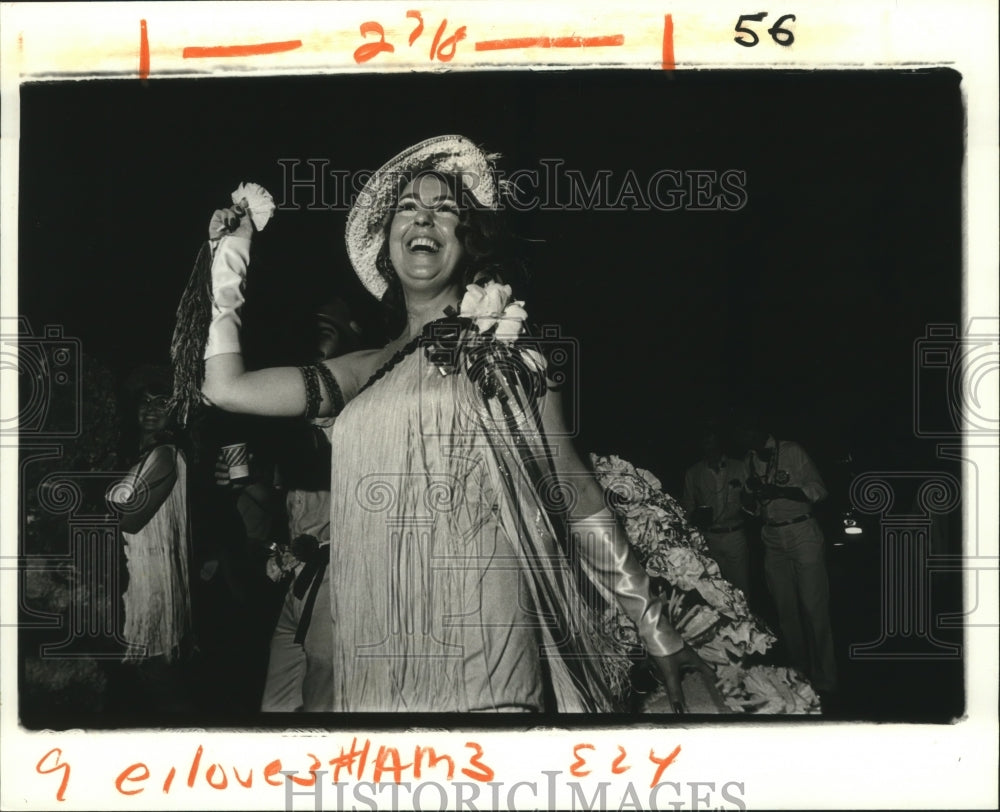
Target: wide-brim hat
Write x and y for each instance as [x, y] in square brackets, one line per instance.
[449, 154]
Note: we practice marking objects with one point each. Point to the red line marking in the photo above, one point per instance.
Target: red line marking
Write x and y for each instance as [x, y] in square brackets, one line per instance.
[242, 50]
[505, 44]
[143, 51]
[668, 42]
[550, 42]
[588, 42]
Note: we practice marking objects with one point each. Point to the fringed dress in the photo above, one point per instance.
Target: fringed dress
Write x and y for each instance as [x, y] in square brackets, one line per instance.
[448, 589]
[158, 598]
[454, 586]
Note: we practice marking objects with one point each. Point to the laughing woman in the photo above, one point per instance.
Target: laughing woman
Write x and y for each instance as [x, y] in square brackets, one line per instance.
[457, 584]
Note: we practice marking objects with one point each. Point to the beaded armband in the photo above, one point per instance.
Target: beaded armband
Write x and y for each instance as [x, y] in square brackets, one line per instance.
[313, 399]
[332, 388]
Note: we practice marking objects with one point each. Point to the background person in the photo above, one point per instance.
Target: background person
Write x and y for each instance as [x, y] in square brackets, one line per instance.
[711, 499]
[152, 500]
[782, 486]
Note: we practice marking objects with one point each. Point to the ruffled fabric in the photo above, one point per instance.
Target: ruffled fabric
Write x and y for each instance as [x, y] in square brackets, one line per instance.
[710, 613]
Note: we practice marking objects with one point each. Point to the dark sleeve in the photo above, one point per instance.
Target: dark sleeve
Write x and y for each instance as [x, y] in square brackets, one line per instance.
[687, 499]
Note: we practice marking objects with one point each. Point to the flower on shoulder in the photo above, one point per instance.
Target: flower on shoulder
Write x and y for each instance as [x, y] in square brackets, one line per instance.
[490, 308]
[511, 322]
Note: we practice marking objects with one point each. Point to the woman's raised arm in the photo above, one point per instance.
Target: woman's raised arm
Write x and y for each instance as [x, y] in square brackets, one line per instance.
[273, 392]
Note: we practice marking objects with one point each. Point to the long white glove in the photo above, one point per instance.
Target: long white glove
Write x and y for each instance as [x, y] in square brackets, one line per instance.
[229, 233]
[611, 565]
[230, 259]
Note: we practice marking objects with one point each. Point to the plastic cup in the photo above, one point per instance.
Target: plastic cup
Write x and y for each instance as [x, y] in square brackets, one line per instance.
[237, 460]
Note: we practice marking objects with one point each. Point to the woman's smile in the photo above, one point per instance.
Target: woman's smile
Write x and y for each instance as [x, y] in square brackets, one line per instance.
[423, 245]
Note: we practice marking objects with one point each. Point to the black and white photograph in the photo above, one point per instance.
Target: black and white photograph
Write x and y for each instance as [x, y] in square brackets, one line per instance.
[497, 400]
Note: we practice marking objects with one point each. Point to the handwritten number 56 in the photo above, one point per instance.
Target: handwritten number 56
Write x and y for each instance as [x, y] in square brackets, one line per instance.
[780, 35]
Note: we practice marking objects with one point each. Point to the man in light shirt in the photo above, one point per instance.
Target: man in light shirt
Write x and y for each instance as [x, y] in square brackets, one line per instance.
[711, 499]
[782, 486]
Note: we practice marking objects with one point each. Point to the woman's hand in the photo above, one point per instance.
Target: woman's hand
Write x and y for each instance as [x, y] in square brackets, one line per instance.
[672, 668]
[230, 222]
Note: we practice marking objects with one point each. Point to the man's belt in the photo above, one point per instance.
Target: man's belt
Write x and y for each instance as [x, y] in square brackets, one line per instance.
[796, 520]
[727, 529]
[315, 556]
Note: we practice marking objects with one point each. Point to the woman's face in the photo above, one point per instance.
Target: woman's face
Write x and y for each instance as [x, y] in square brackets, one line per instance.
[152, 412]
[423, 246]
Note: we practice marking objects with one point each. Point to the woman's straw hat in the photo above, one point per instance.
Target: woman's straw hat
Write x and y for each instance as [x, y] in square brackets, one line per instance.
[450, 154]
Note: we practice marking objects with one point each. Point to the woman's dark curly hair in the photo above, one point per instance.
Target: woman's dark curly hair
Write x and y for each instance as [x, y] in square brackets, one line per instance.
[488, 248]
[151, 379]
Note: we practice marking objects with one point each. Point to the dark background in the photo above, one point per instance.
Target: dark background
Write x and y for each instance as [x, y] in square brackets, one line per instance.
[806, 302]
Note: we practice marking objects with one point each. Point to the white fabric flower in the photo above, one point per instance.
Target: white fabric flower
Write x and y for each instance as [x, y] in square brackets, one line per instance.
[485, 304]
[511, 322]
[258, 202]
[471, 304]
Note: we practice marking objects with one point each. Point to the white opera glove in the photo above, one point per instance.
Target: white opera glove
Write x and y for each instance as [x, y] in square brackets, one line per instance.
[229, 234]
[608, 560]
[230, 259]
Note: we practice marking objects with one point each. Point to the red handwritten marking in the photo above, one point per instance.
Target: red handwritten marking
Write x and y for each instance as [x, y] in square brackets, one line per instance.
[170, 779]
[195, 762]
[142, 773]
[588, 42]
[576, 767]
[432, 759]
[445, 51]
[310, 778]
[241, 50]
[663, 763]
[349, 759]
[483, 772]
[57, 766]
[372, 49]
[143, 50]
[616, 766]
[272, 770]
[388, 760]
[668, 42]
[550, 42]
[416, 32]
[211, 771]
